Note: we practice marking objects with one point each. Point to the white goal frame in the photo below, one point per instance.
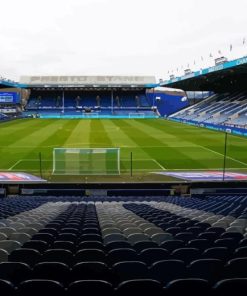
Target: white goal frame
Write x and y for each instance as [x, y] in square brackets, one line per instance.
[90, 114]
[136, 115]
[97, 150]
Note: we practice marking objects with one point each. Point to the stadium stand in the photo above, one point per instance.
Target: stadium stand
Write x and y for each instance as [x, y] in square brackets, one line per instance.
[220, 109]
[155, 244]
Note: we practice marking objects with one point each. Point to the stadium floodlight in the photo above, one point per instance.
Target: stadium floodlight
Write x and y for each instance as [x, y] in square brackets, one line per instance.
[86, 161]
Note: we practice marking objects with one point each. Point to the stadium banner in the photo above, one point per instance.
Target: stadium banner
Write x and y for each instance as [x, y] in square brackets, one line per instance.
[7, 177]
[95, 81]
[9, 98]
[228, 129]
[206, 175]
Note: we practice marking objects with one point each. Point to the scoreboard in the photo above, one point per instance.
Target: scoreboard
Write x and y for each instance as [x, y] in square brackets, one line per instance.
[9, 98]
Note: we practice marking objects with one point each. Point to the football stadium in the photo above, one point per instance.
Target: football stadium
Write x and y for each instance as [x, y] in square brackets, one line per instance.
[124, 184]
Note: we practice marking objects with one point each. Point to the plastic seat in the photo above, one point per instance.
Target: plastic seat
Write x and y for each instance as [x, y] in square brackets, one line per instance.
[130, 270]
[9, 245]
[89, 288]
[7, 288]
[117, 245]
[40, 288]
[159, 238]
[20, 237]
[110, 230]
[167, 270]
[235, 286]
[212, 236]
[207, 269]
[218, 230]
[229, 243]
[194, 229]
[243, 243]
[69, 237]
[46, 237]
[28, 256]
[91, 230]
[3, 237]
[200, 244]
[3, 255]
[132, 230]
[151, 255]
[58, 255]
[38, 245]
[118, 255]
[15, 272]
[89, 255]
[7, 230]
[50, 230]
[140, 246]
[240, 252]
[152, 231]
[90, 237]
[172, 245]
[90, 271]
[186, 254]
[220, 253]
[172, 230]
[91, 245]
[66, 245]
[72, 230]
[28, 230]
[139, 287]
[236, 268]
[185, 236]
[36, 225]
[56, 271]
[236, 235]
[190, 286]
[114, 237]
[138, 237]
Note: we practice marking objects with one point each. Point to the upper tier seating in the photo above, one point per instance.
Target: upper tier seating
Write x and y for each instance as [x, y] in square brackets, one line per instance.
[228, 109]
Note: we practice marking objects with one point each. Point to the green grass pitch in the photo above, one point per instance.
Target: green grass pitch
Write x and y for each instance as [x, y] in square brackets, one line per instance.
[156, 145]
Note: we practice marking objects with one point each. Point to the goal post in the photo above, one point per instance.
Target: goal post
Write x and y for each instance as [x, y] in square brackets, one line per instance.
[90, 115]
[86, 161]
[136, 115]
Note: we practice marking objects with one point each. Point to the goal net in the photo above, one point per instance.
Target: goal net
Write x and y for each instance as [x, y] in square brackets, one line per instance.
[136, 115]
[86, 161]
[90, 115]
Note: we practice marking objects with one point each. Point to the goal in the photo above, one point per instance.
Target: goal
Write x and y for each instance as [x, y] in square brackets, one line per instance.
[86, 161]
[136, 115]
[90, 115]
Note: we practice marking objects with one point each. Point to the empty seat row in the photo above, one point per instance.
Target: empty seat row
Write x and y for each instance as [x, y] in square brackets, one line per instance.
[193, 287]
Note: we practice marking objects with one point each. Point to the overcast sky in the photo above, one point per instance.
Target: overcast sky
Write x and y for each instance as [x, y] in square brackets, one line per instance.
[117, 37]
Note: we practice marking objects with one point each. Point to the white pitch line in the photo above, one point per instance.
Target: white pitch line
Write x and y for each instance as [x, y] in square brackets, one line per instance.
[16, 163]
[215, 152]
[161, 166]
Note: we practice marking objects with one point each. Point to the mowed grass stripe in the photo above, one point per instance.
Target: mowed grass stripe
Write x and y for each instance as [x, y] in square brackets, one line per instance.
[98, 137]
[31, 142]
[173, 145]
[79, 134]
[141, 139]
[127, 145]
[56, 140]
[8, 136]
[172, 157]
[185, 133]
[211, 140]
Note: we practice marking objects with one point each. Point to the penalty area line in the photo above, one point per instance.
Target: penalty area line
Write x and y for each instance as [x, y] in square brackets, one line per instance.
[15, 164]
[161, 166]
